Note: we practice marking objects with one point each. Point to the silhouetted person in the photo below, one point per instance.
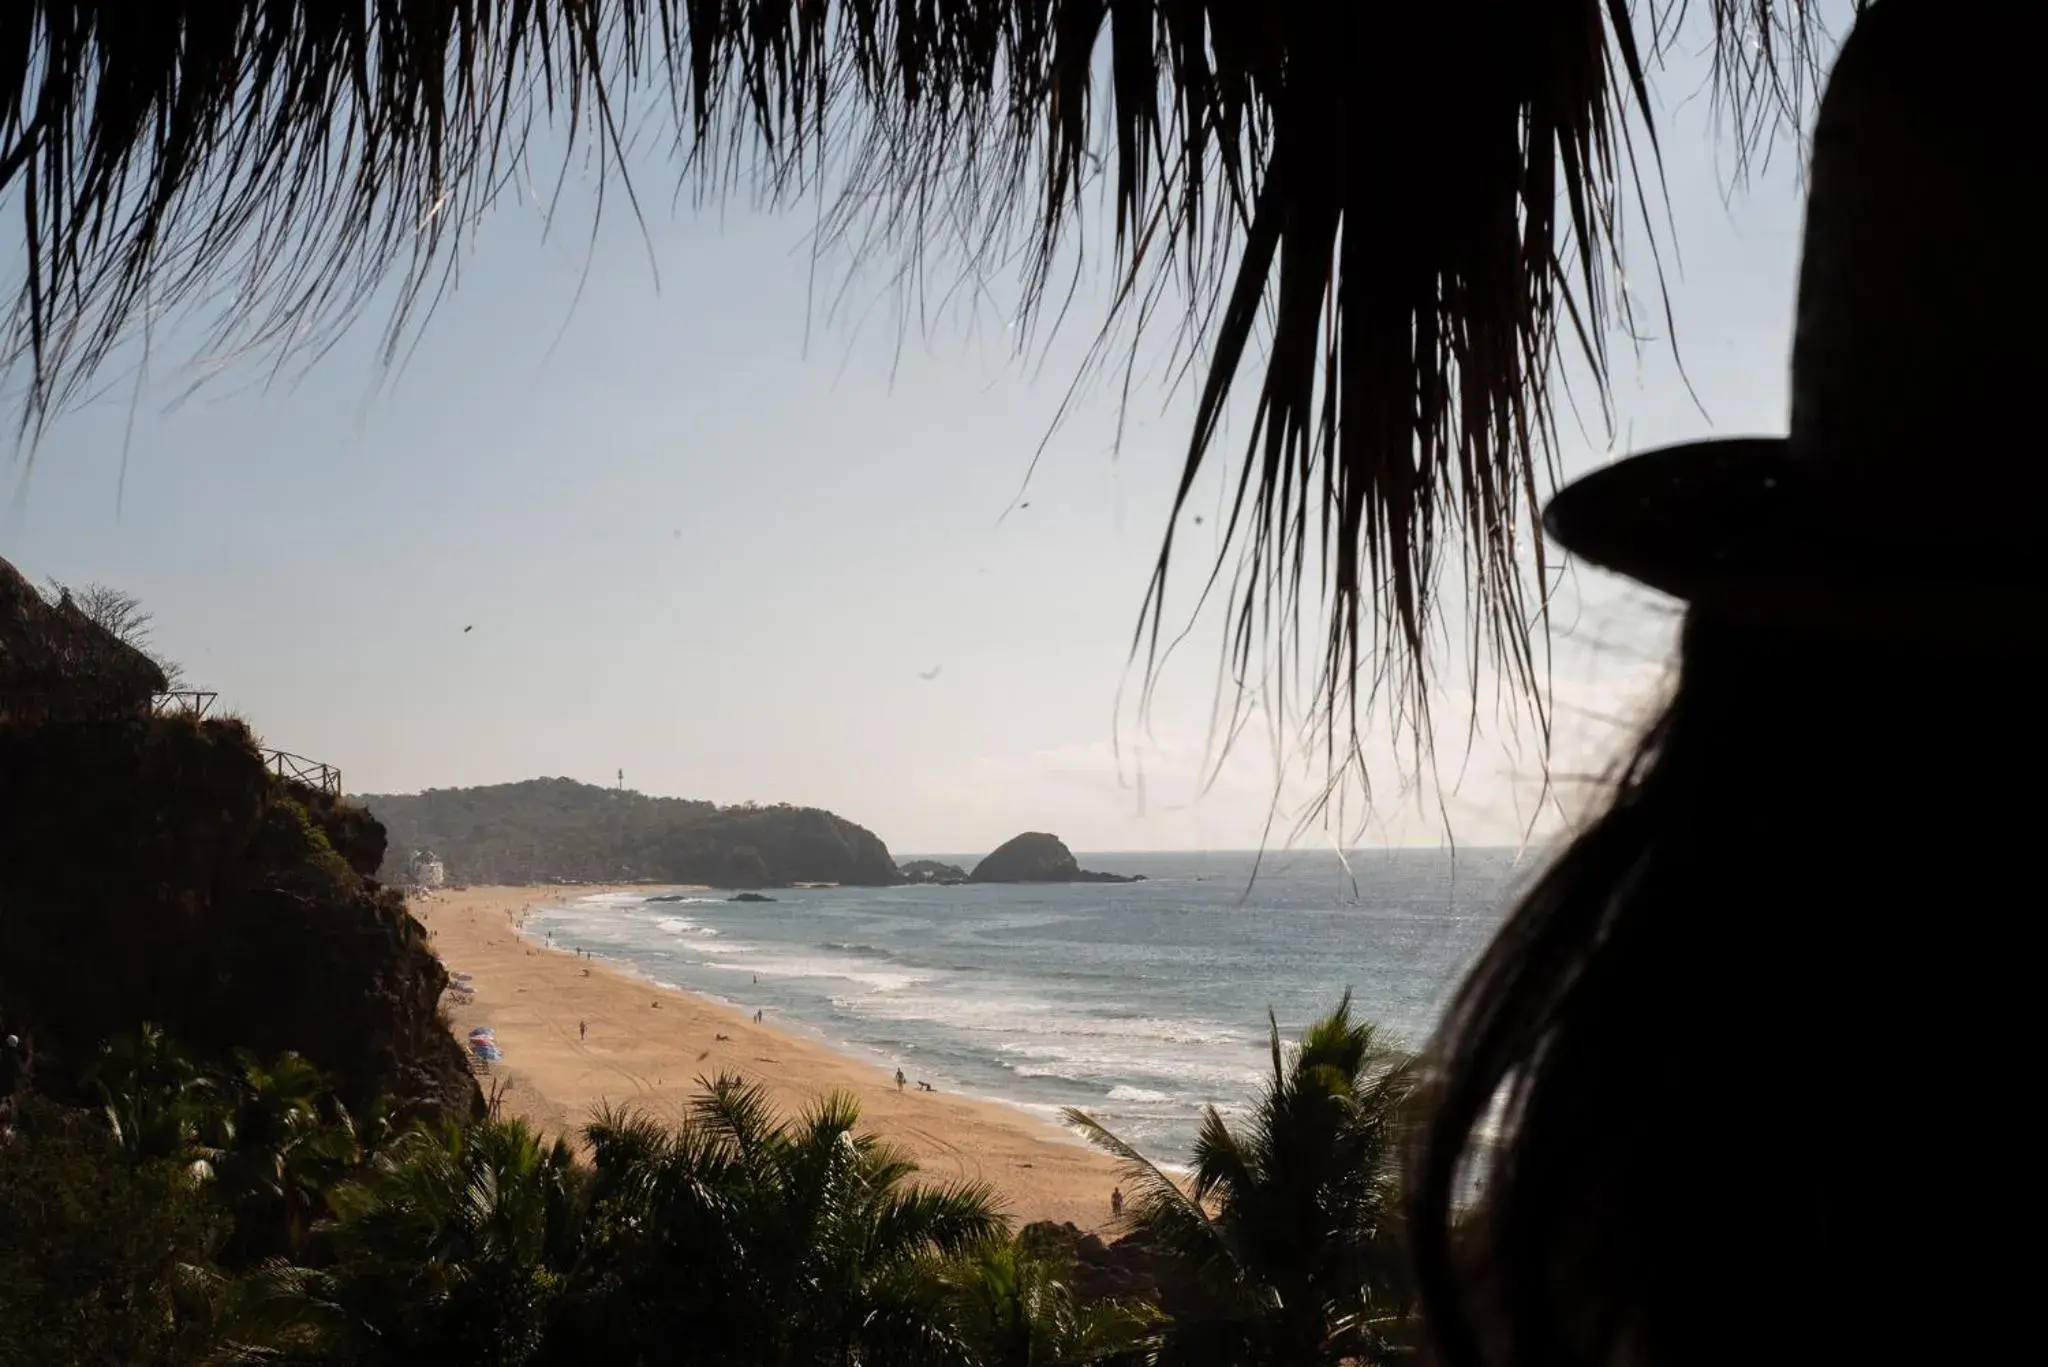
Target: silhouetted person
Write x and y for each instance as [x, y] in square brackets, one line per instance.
[899, 1079]
[1116, 1202]
[582, 1030]
[1763, 1032]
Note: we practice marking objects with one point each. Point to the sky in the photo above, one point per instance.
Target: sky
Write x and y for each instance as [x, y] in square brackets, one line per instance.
[649, 501]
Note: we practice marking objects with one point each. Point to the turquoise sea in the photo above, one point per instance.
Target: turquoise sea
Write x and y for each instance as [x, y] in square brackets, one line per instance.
[1141, 1002]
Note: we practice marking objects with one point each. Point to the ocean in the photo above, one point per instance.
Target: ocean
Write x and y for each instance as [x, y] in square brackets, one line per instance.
[1140, 1002]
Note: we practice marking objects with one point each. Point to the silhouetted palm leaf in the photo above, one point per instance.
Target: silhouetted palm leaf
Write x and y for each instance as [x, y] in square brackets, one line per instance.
[1016, 1310]
[457, 1242]
[1400, 206]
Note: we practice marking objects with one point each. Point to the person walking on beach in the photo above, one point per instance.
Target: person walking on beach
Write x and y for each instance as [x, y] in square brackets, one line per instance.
[582, 1030]
[1116, 1203]
[1775, 985]
[900, 1079]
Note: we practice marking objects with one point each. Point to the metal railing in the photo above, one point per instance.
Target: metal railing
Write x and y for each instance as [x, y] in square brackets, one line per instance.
[185, 702]
[298, 769]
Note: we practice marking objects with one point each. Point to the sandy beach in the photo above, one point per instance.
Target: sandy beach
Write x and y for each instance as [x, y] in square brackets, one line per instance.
[646, 1046]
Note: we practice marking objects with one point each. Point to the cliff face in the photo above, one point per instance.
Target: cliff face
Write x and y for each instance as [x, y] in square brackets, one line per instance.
[151, 870]
[1035, 857]
[541, 830]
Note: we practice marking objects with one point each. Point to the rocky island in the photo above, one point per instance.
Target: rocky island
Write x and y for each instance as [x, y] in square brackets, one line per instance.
[1036, 857]
[930, 871]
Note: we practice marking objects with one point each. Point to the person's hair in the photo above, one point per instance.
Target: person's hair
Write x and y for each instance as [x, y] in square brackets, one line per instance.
[1726, 1084]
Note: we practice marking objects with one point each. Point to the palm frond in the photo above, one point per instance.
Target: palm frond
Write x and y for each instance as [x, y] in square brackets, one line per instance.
[624, 1139]
[737, 1113]
[827, 1118]
[939, 1219]
[1170, 1217]
[1220, 1161]
[1375, 220]
[280, 1311]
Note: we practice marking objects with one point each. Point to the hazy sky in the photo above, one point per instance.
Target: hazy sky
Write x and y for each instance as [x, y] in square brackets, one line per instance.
[710, 535]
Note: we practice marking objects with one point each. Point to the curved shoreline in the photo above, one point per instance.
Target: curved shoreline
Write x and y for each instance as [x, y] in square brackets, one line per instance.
[648, 1043]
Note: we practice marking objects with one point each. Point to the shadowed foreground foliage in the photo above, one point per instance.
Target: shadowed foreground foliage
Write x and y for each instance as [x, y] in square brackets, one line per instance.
[236, 1211]
[1287, 1227]
[1399, 209]
[101, 1260]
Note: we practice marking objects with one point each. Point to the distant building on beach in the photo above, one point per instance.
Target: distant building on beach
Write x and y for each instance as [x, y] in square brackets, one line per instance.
[425, 870]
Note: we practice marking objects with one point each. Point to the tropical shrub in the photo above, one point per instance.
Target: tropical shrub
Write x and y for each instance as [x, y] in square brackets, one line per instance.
[1286, 1228]
[105, 1257]
[744, 1237]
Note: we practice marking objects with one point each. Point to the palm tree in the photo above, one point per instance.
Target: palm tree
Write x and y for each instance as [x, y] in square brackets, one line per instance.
[738, 1238]
[283, 1142]
[1288, 1227]
[1015, 1309]
[455, 1245]
[155, 1099]
[105, 1256]
[272, 1138]
[745, 1237]
[1402, 209]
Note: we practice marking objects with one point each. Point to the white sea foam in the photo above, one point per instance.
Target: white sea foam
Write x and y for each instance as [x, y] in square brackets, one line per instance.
[986, 1007]
[1121, 1093]
[1197, 1081]
[874, 980]
[1139, 1004]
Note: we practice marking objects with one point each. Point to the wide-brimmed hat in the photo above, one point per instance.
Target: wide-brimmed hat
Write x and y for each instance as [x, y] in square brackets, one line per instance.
[1909, 495]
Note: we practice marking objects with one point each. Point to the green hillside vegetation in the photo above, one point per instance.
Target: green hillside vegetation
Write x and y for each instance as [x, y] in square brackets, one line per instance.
[549, 829]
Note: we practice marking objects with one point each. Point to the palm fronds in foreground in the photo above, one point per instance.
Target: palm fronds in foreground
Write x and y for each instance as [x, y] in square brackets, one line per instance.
[1285, 1231]
[740, 1237]
[1397, 204]
[760, 1239]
